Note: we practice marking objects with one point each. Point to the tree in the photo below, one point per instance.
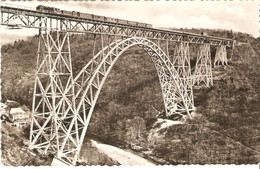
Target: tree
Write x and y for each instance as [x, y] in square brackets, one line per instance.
[135, 130]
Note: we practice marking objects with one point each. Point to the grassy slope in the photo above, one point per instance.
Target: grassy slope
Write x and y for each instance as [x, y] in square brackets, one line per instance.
[15, 150]
[227, 128]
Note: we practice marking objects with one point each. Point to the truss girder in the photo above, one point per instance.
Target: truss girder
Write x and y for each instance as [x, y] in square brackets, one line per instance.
[34, 19]
[203, 68]
[221, 56]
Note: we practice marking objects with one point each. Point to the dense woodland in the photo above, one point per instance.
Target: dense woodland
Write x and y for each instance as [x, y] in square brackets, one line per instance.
[227, 121]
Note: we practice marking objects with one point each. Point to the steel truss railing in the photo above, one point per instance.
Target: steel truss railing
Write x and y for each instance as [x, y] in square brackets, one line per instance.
[16, 18]
[203, 69]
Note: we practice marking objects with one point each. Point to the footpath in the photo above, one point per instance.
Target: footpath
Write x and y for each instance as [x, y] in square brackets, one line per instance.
[121, 156]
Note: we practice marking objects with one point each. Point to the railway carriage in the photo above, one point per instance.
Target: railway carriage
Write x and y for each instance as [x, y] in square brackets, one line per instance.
[121, 21]
[86, 16]
[75, 14]
[66, 13]
[47, 9]
[148, 25]
[140, 24]
[98, 18]
[132, 23]
[113, 20]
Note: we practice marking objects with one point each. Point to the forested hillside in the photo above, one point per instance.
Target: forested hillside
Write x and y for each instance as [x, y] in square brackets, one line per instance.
[227, 116]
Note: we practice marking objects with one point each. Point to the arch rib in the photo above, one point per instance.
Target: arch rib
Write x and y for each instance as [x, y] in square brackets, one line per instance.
[174, 92]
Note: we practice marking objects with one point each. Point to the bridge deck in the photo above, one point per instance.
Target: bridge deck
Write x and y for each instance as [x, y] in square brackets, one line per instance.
[18, 17]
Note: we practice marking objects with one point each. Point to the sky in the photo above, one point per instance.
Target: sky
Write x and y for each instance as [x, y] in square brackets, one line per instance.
[242, 16]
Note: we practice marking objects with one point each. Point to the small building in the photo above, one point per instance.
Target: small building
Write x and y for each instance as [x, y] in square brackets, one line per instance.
[18, 116]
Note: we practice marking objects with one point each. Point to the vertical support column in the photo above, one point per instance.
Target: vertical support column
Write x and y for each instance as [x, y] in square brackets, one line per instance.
[203, 69]
[221, 56]
[53, 99]
[181, 62]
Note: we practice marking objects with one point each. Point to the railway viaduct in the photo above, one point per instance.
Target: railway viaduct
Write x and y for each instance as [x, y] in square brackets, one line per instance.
[63, 103]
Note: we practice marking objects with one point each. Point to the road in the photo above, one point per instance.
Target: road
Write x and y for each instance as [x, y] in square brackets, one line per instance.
[121, 156]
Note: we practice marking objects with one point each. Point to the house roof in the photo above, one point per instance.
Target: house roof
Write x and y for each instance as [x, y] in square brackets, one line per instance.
[16, 110]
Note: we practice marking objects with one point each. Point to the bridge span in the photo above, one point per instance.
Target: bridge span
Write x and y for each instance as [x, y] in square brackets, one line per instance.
[63, 104]
[57, 22]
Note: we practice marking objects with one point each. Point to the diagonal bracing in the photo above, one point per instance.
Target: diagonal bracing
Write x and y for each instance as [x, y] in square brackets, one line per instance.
[53, 100]
[221, 55]
[92, 77]
[203, 69]
[63, 105]
[181, 62]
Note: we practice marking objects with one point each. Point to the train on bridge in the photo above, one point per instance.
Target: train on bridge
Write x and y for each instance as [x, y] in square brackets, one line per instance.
[57, 11]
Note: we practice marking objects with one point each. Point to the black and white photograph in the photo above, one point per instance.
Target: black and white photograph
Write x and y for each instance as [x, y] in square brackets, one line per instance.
[130, 83]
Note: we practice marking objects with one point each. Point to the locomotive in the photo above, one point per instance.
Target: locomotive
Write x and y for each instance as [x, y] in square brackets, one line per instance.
[57, 11]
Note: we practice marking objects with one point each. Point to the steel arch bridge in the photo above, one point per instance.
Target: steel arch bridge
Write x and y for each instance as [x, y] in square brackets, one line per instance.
[71, 107]
[63, 104]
